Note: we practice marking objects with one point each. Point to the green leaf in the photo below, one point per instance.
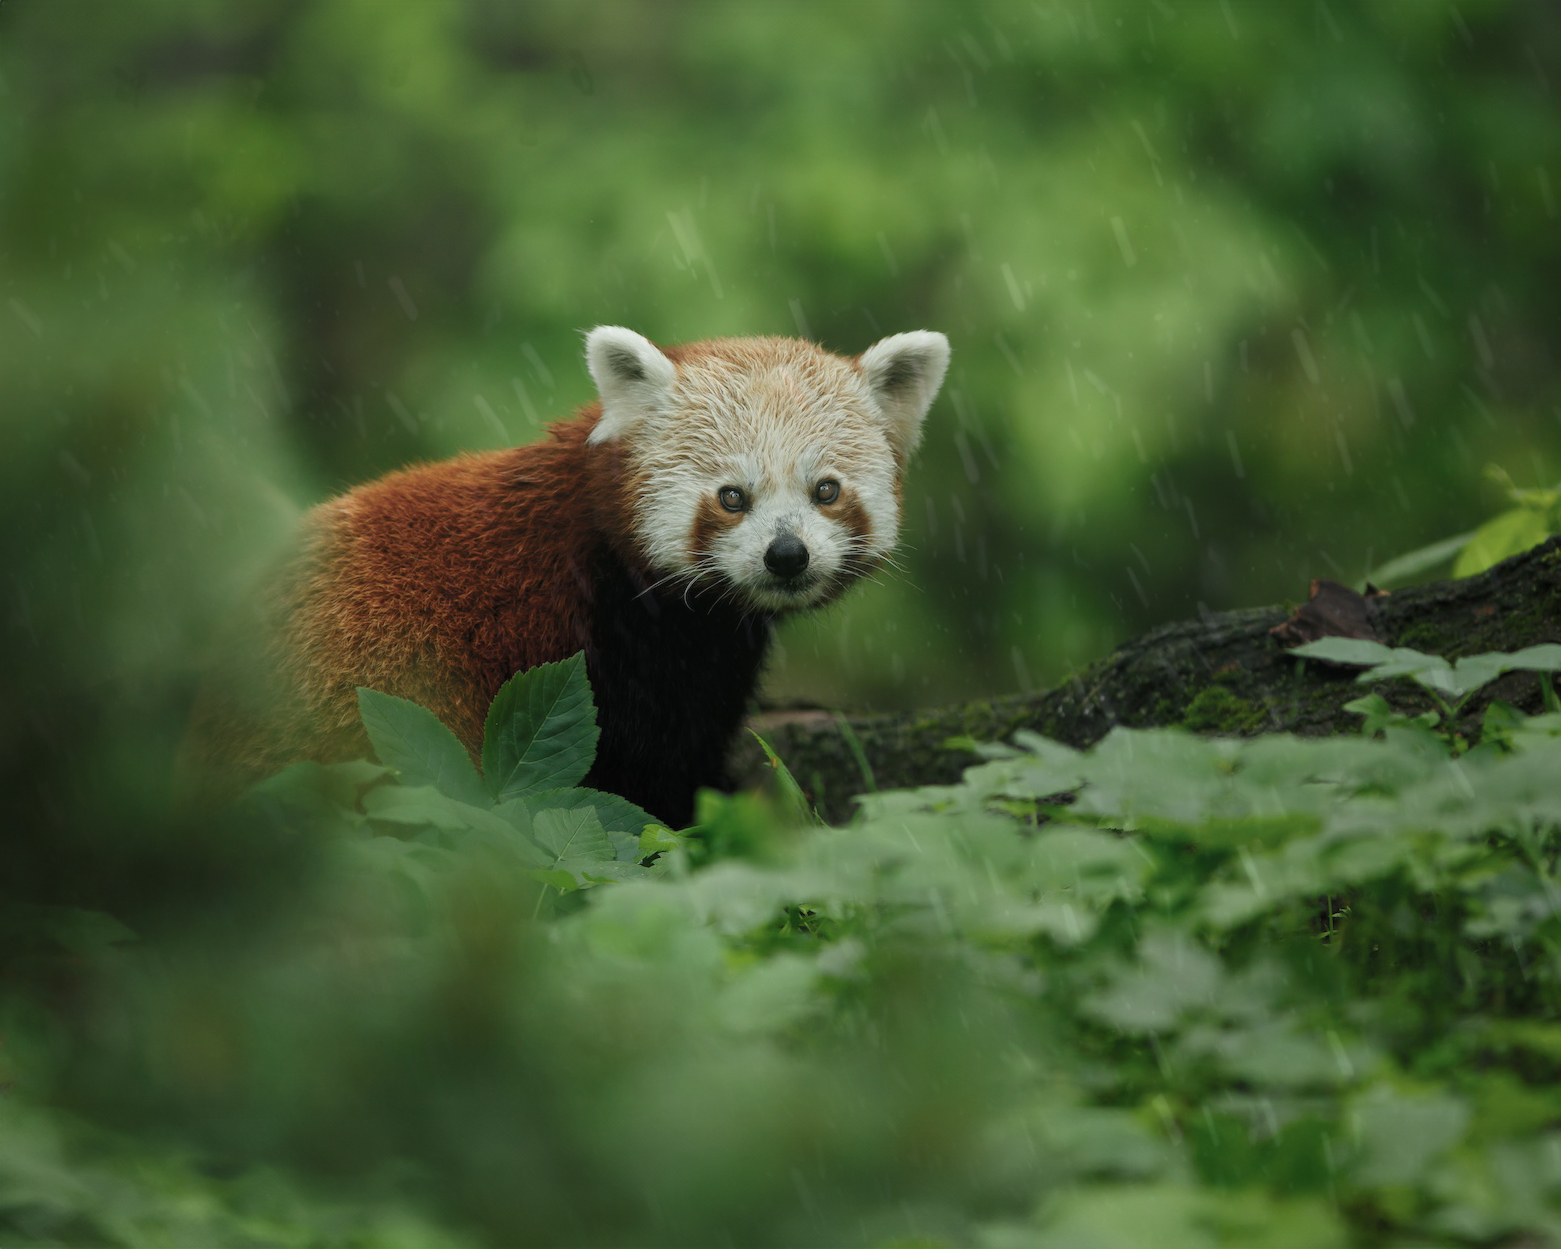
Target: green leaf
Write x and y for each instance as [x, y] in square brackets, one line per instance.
[656, 839]
[563, 881]
[309, 793]
[972, 746]
[417, 806]
[1407, 567]
[775, 994]
[1402, 1134]
[541, 732]
[1173, 977]
[1278, 1052]
[573, 840]
[595, 872]
[1511, 533]
[424, 807]
[618, 815]
[791, 792]
[1353, 652]
[1454, 680]
[572, 834]
[516, 814]
[1028, 776]
[1179, 1216]
[582, 853]
[622, 820]
[1474, 671]
[452, 833]
[1379, 715]
[414, 742]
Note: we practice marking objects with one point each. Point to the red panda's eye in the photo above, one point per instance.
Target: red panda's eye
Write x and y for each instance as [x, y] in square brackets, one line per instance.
[733, 499]
[827, 491]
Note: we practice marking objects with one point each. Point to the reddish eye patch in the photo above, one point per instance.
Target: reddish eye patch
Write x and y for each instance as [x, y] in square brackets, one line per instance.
[711, 519]
[850, 512]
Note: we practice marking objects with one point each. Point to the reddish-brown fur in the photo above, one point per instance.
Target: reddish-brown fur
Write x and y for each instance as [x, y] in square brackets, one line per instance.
[437, 583]
[441, 582]
[710, 519]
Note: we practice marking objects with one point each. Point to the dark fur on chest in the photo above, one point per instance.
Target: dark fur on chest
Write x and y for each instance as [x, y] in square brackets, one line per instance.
[672, 677]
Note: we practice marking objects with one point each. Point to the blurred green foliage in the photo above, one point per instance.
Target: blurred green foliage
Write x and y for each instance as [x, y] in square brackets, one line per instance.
[1239, 293]
[1257, 992]
[1534, 516]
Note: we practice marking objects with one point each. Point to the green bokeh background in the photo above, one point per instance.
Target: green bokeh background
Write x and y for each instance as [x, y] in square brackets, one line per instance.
[1239, 294]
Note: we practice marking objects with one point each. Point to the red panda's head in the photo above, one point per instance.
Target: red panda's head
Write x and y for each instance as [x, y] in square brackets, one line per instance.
[764, 467]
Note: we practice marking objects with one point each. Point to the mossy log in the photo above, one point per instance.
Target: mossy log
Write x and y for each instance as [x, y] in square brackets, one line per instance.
[1225, 673]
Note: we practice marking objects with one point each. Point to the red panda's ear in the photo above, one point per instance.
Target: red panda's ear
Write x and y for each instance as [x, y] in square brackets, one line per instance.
[633, 379]
[904, 372]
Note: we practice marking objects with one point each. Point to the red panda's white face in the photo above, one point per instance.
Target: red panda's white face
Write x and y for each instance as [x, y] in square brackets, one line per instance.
[765, 468]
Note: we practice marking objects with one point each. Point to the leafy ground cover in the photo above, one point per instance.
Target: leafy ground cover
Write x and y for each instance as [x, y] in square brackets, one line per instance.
[1173, 990]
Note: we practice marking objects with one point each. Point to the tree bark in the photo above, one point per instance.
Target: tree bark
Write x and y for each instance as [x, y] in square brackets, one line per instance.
[1225, 673]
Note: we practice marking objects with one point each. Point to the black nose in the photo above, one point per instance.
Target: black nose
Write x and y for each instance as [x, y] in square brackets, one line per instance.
[786, 556]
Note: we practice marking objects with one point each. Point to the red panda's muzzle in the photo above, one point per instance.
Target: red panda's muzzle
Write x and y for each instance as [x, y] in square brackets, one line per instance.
[787, 556]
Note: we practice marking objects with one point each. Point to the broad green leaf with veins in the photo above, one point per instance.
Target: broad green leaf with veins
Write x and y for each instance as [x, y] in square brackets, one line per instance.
[1455, 680]
[541, 731]
[622, 821]
[1169, 990]
[579, 848]
[411, 740]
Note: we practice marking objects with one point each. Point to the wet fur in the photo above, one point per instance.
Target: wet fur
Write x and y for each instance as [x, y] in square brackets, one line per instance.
[439, 583]
[413, 584]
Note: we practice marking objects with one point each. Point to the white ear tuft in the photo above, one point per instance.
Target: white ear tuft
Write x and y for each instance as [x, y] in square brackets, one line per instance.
[632, 378]
[904, 372]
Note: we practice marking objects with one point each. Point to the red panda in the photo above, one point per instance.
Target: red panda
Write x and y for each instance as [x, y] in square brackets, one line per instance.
[713, 488]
